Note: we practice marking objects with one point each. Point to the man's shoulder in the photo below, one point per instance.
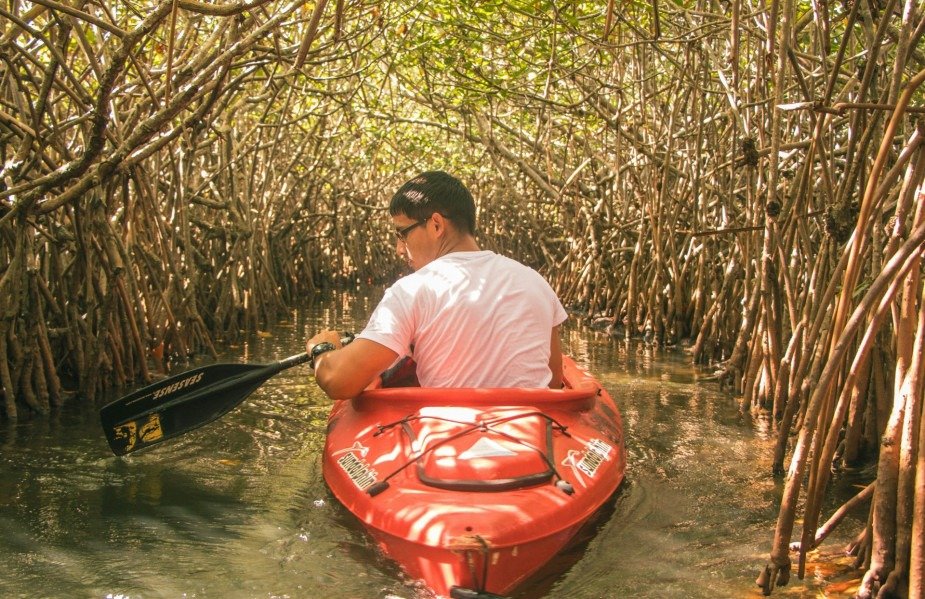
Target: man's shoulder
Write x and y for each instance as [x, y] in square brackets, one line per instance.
[490, 259]
[516, 265]
[406, 283]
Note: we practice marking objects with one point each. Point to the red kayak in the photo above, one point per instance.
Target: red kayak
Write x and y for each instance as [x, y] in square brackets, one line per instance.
[474, 490]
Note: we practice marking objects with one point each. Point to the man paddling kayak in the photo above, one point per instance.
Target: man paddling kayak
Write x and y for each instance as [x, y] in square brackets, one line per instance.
[468, 317]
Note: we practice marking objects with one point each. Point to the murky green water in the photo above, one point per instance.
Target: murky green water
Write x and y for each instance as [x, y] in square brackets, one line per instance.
[239, 508]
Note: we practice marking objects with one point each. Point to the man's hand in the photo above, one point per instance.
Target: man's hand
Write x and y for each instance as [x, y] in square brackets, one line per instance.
[328, 335]
[345, 371]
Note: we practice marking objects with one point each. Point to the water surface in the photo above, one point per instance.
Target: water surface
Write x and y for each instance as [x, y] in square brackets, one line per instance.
[239, 508]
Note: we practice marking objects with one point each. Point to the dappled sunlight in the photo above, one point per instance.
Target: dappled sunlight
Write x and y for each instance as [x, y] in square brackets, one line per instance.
[437, 523]
[738, 182]
[490, 472]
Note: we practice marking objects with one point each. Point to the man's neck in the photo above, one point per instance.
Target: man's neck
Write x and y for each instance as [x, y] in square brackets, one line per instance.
[459, 243]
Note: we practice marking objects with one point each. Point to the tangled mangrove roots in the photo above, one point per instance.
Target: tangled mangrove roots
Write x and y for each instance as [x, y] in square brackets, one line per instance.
[742, 177]
[140, 219]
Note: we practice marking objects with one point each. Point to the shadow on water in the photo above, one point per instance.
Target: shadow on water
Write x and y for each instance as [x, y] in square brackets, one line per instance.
[239, 508]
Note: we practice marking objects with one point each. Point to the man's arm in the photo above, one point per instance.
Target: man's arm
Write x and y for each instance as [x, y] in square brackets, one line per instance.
[344, 372]
[555, 359]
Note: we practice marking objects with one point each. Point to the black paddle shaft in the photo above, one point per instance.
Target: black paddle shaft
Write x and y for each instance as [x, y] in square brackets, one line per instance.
[184, 402]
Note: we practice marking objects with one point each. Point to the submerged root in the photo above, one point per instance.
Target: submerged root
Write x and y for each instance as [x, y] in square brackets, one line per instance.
[773, 575]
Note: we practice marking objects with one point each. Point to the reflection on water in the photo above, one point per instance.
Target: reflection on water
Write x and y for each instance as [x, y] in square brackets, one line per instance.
[239, 508]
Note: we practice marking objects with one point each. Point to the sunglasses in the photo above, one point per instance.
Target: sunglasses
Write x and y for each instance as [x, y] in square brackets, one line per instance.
[402, 233]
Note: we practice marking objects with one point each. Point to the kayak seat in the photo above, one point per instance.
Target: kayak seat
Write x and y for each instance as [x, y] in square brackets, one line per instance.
[402, 374]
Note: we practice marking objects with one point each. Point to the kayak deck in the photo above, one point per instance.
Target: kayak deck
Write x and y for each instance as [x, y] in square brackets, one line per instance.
[473, 490]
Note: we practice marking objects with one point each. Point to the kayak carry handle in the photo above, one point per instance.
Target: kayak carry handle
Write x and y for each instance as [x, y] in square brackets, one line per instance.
[377, 488]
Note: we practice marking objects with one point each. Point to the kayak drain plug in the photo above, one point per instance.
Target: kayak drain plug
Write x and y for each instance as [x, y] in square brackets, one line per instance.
[377, 488]
[564, 486]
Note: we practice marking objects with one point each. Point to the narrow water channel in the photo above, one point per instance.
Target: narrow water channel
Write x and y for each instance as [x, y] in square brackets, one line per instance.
[239, 508]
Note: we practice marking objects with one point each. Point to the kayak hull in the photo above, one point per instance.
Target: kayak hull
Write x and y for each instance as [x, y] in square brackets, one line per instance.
[473, 490]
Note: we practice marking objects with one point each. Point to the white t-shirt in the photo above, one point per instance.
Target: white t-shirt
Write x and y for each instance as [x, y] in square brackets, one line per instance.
[475, 319]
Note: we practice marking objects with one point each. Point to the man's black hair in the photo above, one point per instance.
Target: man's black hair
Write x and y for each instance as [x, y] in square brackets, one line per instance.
[435, 191]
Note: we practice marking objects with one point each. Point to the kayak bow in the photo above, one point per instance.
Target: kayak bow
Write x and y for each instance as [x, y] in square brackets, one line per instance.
[474, 490]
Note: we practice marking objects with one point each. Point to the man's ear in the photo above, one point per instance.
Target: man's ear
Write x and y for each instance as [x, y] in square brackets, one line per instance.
[440, 223]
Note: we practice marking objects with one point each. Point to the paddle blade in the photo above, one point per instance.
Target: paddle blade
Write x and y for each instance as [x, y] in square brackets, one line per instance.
[179, 404]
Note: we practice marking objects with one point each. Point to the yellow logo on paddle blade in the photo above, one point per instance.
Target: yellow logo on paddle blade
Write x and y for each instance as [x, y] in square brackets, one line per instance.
[147, 431]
